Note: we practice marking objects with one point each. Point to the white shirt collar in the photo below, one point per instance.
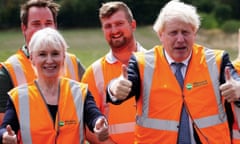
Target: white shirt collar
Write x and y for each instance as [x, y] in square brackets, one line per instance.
[170, 60]
[111, 59]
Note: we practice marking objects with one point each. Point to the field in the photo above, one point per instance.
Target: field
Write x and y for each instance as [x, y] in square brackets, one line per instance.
[89, 44]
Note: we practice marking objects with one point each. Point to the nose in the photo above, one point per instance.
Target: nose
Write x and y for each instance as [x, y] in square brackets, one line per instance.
[180, 37]
[114, 29]
[49, 59]
[40, 27]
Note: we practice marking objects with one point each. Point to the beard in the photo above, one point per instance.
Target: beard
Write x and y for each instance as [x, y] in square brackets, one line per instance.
[115, 44]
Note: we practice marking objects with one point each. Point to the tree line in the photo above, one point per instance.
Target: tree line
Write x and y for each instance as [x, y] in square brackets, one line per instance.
[84, 13]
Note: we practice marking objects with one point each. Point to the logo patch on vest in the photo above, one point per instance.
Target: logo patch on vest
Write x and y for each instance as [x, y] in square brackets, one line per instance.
[189, 86]
[67, 122]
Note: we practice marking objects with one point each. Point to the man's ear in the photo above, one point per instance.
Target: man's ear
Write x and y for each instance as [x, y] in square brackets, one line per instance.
[23, 28]
[134, 24]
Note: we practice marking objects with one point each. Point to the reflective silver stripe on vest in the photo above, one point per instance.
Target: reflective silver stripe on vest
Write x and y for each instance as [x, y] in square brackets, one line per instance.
[79, 103]
[171, 125]
[214, 75]
[18, 70]
[236, 134]
[69, 66]
[24, 114]
[121, 128]
[147, 80]
[157, 123]
[99, 79]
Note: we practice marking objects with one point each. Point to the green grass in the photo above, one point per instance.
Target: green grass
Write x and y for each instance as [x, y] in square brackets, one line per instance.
[87, 44]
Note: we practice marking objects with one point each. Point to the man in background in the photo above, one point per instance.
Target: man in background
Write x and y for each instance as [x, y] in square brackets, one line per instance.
[17, 69]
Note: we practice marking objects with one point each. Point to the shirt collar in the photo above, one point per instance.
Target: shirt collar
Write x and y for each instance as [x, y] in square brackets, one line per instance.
[170, 60]
[25, 50]
[111, 59]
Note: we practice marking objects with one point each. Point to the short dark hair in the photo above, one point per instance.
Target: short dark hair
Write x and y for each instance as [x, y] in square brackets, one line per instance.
[54, 7]
[109, 8]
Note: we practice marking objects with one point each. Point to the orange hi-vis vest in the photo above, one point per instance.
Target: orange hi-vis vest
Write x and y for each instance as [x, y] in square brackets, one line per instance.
[236, 113]
[161, 99]
[121, 118]
[21, 71]
[19, 68]
[236, 65]
[36, 124]
[71, 68]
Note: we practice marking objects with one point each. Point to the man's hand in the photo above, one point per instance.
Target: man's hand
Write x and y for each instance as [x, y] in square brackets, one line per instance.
[230, 90]
[121, 87]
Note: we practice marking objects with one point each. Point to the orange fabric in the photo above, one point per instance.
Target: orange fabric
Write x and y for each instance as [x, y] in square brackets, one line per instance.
[117, 114]
[235, 141]
[25, 66]
[43, 130]
[75, 68]
[236, 64]
[166, 99]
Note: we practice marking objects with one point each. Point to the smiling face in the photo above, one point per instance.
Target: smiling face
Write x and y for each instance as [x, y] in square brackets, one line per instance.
[48, 62]
[38, 18]
[177, 38]
[118, 30]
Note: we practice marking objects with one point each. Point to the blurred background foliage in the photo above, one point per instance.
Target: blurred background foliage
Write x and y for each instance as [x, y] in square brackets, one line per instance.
[223, 14]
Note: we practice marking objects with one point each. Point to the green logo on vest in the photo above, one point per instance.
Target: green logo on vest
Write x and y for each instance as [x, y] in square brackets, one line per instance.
[189, 86]
[61, 123]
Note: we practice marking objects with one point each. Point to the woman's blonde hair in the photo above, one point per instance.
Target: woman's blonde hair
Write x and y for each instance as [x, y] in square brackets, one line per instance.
[47, 37]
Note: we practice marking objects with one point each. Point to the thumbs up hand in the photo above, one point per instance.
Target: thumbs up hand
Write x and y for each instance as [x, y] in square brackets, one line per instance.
[121, 87]
[230, 90]
[9, 137]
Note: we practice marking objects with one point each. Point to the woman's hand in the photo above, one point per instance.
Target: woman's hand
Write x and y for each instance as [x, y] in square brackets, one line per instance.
[9, 137]
[101, 129]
